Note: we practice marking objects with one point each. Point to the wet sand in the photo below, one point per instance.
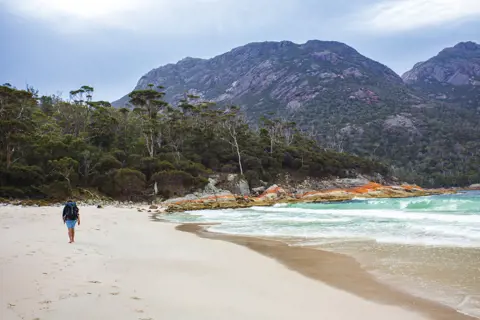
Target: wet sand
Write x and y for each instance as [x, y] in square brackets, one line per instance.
[337, 270]
[449, 275]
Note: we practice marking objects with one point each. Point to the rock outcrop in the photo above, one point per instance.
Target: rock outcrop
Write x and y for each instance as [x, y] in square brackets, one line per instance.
[276, 194]
[457, 66]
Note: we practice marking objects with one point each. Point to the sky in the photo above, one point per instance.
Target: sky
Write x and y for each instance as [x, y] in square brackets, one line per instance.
[59, 45]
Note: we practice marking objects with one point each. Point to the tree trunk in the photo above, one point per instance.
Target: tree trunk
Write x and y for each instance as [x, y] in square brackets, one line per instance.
[70, 191]
[239, 155]
[150, 144]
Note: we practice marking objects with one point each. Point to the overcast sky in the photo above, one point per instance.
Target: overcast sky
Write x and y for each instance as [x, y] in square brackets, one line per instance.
[60, 45]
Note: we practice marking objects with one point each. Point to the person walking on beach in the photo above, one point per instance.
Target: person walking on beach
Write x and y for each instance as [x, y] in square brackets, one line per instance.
[70, 217]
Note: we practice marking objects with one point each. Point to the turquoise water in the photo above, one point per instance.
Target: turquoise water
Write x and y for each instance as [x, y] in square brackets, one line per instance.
[449, 220]
[428, 246]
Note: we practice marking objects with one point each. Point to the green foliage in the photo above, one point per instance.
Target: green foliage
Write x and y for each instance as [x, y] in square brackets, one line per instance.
[58, 190]
[177, 183]
[108, 163]
[128, 184]
[56, 147]
[9, 192]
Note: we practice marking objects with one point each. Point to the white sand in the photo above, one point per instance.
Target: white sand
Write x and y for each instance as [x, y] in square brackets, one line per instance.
[124, 266]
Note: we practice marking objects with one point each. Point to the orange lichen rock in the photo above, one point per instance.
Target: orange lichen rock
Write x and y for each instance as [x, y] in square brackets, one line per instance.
[276, 194]
[411, 187]
[273, 193]
[369, 187]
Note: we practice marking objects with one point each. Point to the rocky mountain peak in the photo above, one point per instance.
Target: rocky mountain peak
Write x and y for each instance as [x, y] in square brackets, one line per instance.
[453, 75]
[456, 66]
[263, 75]
[467, 46]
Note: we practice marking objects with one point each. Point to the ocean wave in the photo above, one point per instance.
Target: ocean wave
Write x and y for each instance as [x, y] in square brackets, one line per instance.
[438, 221]
[385, 214]
[287, 219]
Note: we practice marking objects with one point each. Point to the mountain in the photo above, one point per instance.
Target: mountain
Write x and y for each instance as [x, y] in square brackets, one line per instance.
[283, 75]
[453, 75]
[348, 101]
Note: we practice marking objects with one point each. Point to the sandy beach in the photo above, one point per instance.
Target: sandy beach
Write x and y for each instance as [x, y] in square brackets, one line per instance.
[126, 266]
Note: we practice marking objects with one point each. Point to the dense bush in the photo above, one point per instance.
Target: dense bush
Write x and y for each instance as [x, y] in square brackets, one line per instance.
[52, 147]
[128, 184]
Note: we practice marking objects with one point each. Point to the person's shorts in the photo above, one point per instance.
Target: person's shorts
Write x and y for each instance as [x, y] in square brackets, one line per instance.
[71, 223]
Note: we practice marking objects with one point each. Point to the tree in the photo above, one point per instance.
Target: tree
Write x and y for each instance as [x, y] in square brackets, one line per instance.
[103, 125]
[16, 108]
[233, 126]
[148, 105]
[65, 167]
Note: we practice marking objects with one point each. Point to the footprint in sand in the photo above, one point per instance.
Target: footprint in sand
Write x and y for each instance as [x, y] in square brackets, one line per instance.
[46, 304]
[94, 281]
[114, 293]
[135, 298]
[68, 296]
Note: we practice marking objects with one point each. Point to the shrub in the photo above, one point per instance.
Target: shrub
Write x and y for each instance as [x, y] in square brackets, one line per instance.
[129, 183]
[20, 175]
[59, 190]
[165, 166]
[229, 168]
[177, 183]
[11, 192]
[193, 168]
[108, 163]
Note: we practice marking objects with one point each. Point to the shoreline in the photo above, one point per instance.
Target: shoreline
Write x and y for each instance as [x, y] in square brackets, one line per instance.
[337, 270]
[272, 196]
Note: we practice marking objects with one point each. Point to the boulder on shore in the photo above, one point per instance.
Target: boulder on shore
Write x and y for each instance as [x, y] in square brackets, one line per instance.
[272, 194]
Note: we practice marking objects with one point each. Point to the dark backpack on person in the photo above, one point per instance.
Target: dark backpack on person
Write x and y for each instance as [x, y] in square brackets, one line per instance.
[70, 212]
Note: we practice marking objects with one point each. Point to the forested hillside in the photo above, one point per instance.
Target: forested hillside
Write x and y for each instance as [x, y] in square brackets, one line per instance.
[427, 131]
[52, 148]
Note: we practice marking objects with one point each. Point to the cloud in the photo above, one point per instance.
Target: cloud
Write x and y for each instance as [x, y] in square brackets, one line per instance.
[390, 16]
[170, 17]
[70, 13]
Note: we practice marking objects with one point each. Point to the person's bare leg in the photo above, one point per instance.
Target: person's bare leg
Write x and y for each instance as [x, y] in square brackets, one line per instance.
[73, 234]
[70, 236]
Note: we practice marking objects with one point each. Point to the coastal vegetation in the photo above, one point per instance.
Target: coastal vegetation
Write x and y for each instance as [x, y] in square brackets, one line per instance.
[56, 148]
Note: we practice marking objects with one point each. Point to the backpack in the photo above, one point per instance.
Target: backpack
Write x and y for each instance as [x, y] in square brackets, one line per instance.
[70, 212]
